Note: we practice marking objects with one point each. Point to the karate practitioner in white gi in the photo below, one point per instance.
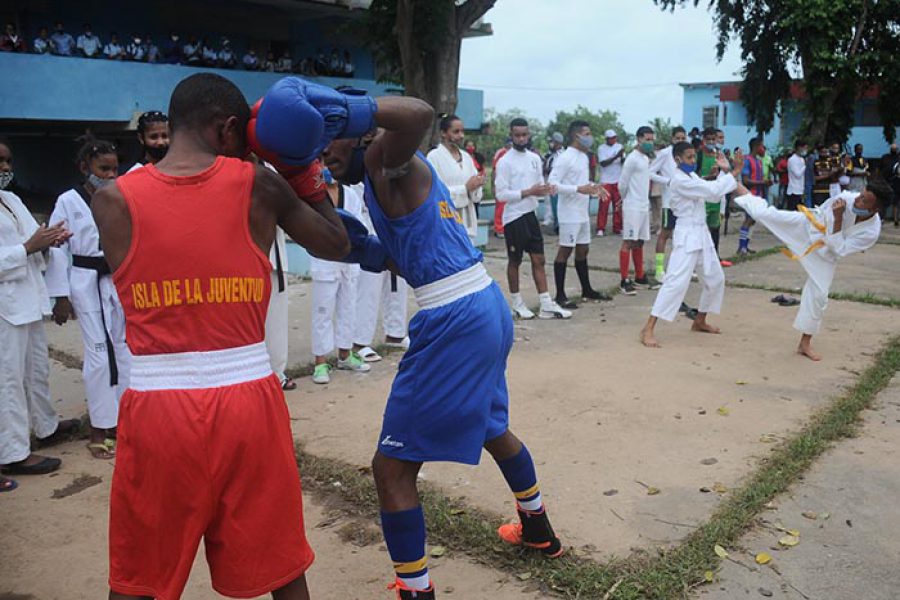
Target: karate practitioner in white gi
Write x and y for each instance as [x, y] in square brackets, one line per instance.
[78, 278]
[843, 225]
[457, 170]
[277, 316]
[25, 404]
[692, 243]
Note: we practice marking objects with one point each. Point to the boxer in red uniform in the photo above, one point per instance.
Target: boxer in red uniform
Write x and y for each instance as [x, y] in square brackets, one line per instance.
[204, 442]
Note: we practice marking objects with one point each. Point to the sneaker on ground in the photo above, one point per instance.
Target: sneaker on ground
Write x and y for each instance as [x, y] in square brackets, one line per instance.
[368, 354]
[695, 277]
[353, 363]
[554, 311]
[726, 263]
[405, 593]
[532, 531]
[627, 287]
[565, 302]
[520, 311]
[599, 233]
[647, 282]
[322, 373]
[595, 296]
[743, 252]
[402, 344]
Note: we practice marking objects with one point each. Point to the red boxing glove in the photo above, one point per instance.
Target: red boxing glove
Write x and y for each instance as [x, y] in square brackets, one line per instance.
[306, 181]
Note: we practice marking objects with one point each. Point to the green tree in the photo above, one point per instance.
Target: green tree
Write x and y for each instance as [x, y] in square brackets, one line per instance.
[496, 129]
[663, 129]
[417, 43]
[599, 121]
[841, 48]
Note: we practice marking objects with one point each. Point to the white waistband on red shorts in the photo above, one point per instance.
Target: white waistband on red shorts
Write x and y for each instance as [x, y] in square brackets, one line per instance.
[198, 370]
[452, 288]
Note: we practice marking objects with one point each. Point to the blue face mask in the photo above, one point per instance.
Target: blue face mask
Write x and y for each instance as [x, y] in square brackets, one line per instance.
[861, 212]
[586, 141]
[688, 169]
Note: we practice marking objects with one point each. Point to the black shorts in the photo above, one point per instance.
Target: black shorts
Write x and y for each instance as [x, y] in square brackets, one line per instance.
[523, 235]
[668, 219]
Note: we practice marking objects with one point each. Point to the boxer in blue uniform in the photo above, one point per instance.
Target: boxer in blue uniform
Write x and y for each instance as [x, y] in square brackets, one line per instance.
[449, 399]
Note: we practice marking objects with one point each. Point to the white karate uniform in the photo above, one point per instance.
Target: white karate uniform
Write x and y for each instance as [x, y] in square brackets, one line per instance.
[455, 174]
[634, 187]
[692, 244]
[813, 242]
[334, 294]
[374, 290]
[277, 317]
[24, 363]
[91, 308]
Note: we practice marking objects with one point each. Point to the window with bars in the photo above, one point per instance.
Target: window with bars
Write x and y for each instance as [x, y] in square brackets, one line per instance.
[710, 116]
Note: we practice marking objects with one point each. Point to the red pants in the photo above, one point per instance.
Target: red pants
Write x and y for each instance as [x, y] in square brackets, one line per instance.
[498, 216]
[613, 190]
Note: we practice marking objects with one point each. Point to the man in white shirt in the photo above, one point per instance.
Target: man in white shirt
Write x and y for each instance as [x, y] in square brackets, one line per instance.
[88, 44]
[520, 185]
[611, 157]
[113, 50]
[796, 175]
[692, 243]
[571, 177]
[634, 186]
[664, 166]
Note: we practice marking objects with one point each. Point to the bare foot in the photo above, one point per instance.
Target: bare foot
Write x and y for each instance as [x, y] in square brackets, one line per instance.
[704, 327]
[648, 339]
[807, 351]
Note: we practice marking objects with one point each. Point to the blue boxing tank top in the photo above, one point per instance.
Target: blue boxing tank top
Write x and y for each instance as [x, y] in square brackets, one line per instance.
[429, 243]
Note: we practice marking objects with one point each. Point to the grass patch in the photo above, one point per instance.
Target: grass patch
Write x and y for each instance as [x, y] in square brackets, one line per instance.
[742, 258]
[663, 574]
[866, 298]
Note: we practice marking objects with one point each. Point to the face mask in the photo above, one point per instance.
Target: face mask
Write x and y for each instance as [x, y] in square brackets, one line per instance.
[688, 169]
[521, 147]
[647, 148]
[97, 182]
[803, 153]
[861, 212]
[356, 170]
[6, 178]
[586, 141]
[156, 152]
[711, 147]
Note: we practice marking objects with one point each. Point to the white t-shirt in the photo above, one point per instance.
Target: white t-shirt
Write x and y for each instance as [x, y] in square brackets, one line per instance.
[796, 175]
[517, 171]
[570, 170]
[609, 174]
[634, 184]
[664, 166]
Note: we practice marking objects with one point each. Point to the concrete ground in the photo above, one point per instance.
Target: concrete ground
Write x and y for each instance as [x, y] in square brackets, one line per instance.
[605, 418]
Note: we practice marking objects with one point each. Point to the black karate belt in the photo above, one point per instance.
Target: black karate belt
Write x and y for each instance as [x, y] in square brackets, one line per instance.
[393, 282]
[101, 267]
[279, 269]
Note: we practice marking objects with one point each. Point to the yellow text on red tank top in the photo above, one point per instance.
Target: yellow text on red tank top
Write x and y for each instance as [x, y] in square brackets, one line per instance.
[214, 290]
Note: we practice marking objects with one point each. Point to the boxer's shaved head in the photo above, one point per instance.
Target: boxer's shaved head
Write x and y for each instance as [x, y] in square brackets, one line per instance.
[201, 99]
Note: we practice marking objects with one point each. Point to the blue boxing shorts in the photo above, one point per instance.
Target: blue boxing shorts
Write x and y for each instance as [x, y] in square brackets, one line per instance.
[450, 396]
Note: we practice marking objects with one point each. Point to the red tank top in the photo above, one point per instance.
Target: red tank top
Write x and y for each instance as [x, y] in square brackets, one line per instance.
[193, 279]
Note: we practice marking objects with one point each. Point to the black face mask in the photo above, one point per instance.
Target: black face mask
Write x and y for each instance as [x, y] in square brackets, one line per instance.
[522, 147]
[356, 170]
[156, 153]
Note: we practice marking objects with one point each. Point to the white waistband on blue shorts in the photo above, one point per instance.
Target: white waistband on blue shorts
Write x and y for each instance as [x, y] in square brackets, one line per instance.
[452, 288]
[198, 370]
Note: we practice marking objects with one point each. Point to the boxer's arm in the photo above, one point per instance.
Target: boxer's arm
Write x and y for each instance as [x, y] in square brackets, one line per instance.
[114, 224]
[317, 228]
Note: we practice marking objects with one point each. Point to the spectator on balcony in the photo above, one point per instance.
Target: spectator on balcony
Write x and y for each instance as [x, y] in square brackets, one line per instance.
[11, 40]
[321, 62]
[89, 45]
[63, 42]
[208, 54]
[269, 64]
[306, 66]
[171, 49]
[136, 49]
[227, 59]
[250, 60]
[193, 52]
[335, 64]
[153, 53]
[348, 65]
[285, 65]
[42, 43]
[113, 50]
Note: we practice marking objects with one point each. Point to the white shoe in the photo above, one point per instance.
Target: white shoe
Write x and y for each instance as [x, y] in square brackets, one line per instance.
[368, 354]
[402, 344]
[522, 312]
[599, 233]
[554, 311]
[695, 277]
[353, 363]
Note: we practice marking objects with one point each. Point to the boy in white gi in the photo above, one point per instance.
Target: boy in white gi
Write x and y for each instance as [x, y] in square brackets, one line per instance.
[692, 243]
[843, 225]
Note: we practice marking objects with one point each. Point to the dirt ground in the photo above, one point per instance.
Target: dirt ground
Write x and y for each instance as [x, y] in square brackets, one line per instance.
[604, 417]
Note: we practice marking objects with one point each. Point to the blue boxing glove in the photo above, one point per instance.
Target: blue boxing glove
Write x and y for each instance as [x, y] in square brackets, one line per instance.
[296, 119]
[365, 249]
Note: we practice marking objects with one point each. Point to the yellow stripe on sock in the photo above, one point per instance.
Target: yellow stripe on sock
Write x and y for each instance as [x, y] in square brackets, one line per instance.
[411, 567]
[528, 493]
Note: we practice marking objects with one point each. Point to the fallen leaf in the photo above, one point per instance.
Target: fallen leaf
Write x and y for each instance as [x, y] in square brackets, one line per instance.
[768, 438]
[793, 532]
[741, 382]
[708, 576]
[789, 540]
[438, 551]
[723, 411]
[652, 491]
[457, 511]
[709, 461]
[763, 558]
[719, 488]
[811, 515]
[611, 492]
[705, 490]
[765, 592]
[825, 516]
[524, 576]
[720, 551]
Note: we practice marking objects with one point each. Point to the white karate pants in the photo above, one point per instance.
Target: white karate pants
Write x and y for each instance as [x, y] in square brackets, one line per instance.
[374, 290]
[277, 328]
[103, 398]
[333, 314]
[678, 278]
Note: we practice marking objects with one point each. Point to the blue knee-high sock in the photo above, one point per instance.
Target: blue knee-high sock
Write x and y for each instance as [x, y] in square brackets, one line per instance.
[744, 242]
[522, 480]
[404, 533]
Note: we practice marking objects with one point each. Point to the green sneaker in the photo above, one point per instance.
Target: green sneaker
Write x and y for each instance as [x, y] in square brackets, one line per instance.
[353, 362]
[322, 373]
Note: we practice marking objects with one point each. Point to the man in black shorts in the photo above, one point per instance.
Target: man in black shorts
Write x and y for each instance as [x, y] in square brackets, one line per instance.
[520, 184]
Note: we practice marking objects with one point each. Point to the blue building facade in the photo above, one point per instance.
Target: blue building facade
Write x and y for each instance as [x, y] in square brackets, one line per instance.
[48, 100]
[717, 104]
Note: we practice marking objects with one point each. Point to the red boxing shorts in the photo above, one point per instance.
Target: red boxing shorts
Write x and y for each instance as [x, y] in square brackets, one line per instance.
[215, 463]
